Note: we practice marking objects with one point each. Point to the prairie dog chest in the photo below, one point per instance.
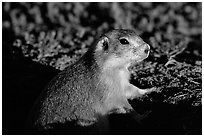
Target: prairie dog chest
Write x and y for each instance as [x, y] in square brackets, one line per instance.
[124, 76]
[117, 81]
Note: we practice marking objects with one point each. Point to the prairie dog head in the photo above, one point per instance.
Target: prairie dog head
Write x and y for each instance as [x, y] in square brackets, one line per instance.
[119, 48]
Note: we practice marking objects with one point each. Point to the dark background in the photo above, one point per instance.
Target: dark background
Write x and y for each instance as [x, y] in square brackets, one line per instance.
[41, 39]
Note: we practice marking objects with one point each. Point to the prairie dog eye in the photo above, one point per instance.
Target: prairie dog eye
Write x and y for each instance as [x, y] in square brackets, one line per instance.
[124, 41]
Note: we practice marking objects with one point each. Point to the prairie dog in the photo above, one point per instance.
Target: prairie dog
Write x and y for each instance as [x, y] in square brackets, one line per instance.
[97, 85]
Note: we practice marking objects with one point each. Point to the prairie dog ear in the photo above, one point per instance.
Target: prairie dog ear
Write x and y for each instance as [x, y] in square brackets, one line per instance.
[103, 44]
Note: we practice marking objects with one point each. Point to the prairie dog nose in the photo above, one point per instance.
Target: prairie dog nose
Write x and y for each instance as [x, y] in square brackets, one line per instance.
[146, 49]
